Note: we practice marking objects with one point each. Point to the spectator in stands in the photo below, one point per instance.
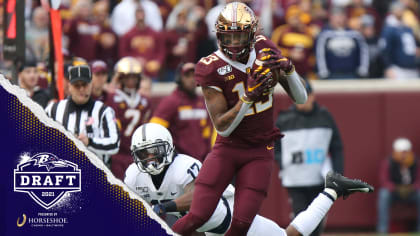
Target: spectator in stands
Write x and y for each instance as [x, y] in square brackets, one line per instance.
[37, 40]
[5, 65]
[82, 31]
[341, 53]
[181, 46]
[211, 18]
[411, 18]
[398, 46]
[368, 30]
[400, 182]
[99, 79]
[296, 41]
[184, 114]
[357, 9]
[107, 40]
[310, 148]
[145, 44]
[123, 17]
[28, 79]
[195, 23]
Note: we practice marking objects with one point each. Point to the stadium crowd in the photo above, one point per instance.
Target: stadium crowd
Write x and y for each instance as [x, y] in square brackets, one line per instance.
[325, 39]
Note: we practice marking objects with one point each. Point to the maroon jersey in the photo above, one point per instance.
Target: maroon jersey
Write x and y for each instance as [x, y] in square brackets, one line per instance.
[229, 77]
[131, 112]
[144, 44]
[82, 38]
[107, 45]
[187, 120]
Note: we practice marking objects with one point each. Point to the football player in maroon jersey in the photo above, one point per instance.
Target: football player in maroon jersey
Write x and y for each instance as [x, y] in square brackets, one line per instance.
[240, 105]
[132, 109]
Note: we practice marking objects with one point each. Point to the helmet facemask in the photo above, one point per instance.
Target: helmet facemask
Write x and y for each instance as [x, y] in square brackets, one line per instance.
[236, 44]
[152, 158]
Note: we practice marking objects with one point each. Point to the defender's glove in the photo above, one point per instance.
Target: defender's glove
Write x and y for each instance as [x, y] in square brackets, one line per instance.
[274, 60]
[259, 82]
[160, 210]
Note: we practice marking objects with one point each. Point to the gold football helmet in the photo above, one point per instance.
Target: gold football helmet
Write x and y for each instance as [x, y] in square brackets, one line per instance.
[235, 30]
[128, 67]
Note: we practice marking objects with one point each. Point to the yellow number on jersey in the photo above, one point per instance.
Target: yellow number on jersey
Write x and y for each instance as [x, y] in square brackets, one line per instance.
[256, 107]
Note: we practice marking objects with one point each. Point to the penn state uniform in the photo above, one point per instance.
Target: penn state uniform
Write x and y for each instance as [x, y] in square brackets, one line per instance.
[182, 171]
[131, 112]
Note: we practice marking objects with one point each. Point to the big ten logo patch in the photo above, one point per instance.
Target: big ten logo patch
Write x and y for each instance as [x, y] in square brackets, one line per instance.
[309, 156]
[46, 178]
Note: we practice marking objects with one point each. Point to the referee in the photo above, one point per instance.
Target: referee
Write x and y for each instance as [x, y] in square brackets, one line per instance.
[89, 120]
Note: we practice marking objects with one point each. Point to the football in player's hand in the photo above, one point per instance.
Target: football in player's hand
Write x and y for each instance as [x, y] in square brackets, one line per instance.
[262, 59]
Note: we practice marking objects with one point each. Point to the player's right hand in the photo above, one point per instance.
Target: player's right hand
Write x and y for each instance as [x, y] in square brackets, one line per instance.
[259, 82]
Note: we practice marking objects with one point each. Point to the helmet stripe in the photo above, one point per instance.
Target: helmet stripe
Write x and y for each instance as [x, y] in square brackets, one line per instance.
[234, 13]
[143, 132]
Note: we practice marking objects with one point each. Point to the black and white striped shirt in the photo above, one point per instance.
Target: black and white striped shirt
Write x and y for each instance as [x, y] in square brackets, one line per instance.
[94, 119]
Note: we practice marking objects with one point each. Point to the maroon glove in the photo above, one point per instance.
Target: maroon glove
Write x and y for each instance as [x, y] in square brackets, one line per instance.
[275, 60]
[259, 82]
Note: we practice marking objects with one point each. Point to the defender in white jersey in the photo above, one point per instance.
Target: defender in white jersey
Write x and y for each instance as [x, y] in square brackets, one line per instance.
[165, 179]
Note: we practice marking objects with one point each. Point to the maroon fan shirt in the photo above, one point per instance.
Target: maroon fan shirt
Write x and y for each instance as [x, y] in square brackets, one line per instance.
[82, 38]
[229, 77]
[131, 112]
[145, 44]
[187, 120]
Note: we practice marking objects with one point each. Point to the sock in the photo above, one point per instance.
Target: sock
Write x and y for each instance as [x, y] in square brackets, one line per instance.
[306, 221]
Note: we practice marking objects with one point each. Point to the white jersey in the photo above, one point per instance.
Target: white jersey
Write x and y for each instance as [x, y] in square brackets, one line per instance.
[182, 171]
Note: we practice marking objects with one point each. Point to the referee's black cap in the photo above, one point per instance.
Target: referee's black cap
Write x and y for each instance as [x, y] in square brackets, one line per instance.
[80, 73]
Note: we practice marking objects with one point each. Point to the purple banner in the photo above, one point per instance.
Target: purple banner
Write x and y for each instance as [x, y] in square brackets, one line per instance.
[51, 185]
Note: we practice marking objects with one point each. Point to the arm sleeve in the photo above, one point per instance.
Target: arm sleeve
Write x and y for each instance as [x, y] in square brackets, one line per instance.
[110, 142]
[204, 73]
[336, 147]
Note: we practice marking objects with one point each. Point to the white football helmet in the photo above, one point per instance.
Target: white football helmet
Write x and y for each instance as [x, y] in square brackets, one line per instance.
[152, 148]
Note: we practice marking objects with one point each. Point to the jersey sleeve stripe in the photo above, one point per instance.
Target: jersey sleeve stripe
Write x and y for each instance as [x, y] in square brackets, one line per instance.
[159, 121]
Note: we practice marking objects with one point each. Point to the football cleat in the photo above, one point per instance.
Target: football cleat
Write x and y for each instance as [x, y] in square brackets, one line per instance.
[344, 186]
